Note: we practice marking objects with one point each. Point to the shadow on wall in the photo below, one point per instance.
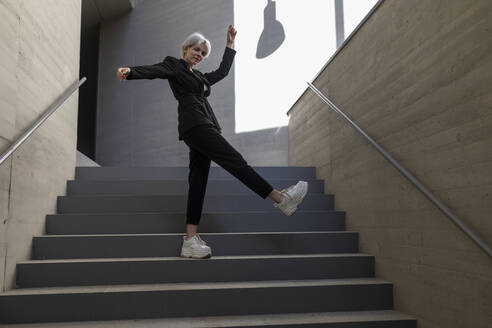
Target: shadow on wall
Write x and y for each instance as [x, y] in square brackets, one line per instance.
[273, 34]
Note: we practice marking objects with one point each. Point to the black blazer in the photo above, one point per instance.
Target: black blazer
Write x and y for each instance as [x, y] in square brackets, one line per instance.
[187, 88]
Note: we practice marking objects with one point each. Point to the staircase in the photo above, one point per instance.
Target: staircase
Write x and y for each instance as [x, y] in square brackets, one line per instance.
[111, 253]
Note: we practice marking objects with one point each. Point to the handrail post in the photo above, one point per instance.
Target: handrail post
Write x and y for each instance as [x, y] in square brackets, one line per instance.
[447, 211]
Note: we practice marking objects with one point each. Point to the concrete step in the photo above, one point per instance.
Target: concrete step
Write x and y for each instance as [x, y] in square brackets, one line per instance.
[55, 304]
[181, 173]
[52, 273]
[168, 245]
[150, 223]
[174, 187]
[154, 203]
[352, 319]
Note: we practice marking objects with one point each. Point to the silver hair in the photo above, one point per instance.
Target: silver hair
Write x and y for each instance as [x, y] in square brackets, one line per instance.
[194, 39]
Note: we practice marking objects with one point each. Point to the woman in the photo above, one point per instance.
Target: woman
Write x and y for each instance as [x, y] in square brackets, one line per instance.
[200, 130]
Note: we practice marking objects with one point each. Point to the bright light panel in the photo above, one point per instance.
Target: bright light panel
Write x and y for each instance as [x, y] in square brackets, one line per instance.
[267, 88]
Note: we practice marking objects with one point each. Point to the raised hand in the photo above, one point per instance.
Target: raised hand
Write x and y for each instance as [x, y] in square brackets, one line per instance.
[231, 35]
[122, 73]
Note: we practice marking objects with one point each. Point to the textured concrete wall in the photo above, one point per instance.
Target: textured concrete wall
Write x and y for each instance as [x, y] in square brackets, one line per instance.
[417, 78]
[137, 120]
[39, 60]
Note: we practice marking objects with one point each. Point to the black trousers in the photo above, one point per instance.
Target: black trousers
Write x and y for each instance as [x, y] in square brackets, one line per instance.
[207, 144]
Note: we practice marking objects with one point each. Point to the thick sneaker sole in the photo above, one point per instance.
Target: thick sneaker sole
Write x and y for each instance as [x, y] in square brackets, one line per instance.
[196, 256]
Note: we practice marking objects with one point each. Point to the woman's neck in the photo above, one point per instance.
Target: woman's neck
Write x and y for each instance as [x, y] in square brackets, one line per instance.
[190, 67]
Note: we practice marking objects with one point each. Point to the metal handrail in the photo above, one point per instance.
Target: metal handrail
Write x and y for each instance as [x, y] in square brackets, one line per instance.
[467, 230]
[36, 125]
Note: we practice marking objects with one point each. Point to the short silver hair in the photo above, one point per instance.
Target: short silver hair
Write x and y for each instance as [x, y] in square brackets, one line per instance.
[194, 39]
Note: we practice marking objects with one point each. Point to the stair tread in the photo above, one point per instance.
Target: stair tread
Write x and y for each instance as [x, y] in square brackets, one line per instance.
[236, 321]
[214, 258]
[204, 212]
[150, 195]
[193, 286]
[180, 180]
[153, 172]
[273, 210]
[202, 234]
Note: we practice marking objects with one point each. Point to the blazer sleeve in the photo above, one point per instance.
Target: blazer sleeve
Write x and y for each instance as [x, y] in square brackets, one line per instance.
[223, 70]
[162, 70]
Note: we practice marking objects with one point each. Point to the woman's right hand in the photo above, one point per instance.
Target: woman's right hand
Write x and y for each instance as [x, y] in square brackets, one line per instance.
[122, 73]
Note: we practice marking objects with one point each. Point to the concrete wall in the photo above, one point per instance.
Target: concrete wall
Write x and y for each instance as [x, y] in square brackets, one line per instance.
[137, 120]
[39, 60]
[416, 77]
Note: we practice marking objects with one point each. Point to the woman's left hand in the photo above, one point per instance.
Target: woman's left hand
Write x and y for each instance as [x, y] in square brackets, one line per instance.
[231, 35]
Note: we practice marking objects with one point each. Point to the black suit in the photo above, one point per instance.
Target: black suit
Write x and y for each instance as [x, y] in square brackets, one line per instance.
[188, 88]
[199, 128]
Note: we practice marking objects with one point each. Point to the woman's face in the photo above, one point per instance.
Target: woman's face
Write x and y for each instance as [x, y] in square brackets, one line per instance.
[194, 55]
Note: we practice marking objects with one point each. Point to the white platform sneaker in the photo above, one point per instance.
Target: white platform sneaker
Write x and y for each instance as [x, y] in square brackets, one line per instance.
[292, 197]
[196, 248]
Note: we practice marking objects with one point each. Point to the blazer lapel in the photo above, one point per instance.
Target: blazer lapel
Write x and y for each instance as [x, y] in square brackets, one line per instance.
[195, 74]
[186, 68]
[205, 81]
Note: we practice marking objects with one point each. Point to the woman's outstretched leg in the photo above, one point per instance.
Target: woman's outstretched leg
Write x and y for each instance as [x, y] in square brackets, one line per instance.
[210, 142]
